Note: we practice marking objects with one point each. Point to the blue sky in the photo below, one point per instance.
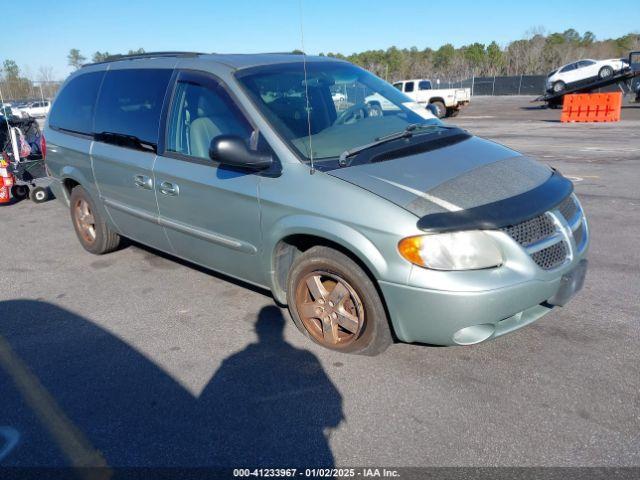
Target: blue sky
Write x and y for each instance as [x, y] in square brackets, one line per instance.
[344, 26]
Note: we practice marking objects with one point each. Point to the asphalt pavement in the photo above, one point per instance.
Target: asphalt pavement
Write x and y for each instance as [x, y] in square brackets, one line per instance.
[139, 359]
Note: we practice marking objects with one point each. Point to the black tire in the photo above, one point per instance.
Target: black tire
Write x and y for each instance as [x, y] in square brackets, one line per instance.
[20, 192]
[39, 195]
[374, 335]
[453, 112]
[440, 109]
[104, 240]
[605, 72]
[558, 87]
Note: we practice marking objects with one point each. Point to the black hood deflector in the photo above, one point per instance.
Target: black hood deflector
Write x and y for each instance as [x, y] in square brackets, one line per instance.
[502, 213]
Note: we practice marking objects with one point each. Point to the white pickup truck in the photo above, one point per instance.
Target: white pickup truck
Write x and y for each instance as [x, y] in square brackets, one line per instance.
[447, 101]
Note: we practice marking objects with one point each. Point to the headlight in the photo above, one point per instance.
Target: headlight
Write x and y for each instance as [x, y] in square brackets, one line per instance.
[470, 250]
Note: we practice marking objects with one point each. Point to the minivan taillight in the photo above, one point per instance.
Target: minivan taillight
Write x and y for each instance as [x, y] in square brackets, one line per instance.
[43, 147]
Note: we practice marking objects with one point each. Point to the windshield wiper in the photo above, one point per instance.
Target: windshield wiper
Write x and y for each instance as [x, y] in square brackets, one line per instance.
[408, 132]
[124, 140]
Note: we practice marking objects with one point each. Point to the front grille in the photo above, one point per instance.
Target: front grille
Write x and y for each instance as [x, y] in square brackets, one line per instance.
[550, 257]
[531, 231]
[568, 208]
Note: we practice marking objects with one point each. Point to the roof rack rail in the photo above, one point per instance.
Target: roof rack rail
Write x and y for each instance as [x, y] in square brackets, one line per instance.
[135, 56]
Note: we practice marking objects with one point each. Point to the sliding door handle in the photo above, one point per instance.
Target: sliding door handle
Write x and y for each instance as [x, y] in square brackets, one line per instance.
[142, 181]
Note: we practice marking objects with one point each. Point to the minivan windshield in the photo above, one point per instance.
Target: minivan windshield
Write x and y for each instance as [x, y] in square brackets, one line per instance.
[338, 108]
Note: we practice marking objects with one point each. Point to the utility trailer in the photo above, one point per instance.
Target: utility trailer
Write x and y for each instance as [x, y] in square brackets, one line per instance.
[624, 78]
[28, 169]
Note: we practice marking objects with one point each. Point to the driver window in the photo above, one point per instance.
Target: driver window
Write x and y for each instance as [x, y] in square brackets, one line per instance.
[198, 115]
[408, 87]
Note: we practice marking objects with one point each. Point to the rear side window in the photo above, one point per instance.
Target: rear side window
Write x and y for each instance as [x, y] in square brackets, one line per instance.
[408, 87]
[130, 103]
[74, 105]
[424, 85]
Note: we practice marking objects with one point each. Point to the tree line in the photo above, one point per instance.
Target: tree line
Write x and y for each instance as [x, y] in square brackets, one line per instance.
[535, 55]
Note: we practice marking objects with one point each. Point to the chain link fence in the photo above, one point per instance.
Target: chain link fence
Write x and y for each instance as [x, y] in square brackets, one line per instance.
[500, 85]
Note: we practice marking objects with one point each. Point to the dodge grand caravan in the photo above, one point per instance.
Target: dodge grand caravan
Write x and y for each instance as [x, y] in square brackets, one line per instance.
[370, 224]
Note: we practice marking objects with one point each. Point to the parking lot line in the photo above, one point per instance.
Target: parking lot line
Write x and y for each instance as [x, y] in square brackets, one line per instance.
[69, 438]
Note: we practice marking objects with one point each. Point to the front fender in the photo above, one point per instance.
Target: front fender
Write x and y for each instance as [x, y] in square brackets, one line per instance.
[337, 232]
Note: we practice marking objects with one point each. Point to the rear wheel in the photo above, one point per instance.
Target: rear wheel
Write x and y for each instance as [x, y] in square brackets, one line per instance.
[92, 231]
[335, 303]
[453, 112]
[440, 109]
[605, 72]
[20, 191]
[558, 87]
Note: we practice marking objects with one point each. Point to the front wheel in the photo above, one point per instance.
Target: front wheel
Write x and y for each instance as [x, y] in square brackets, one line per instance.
[558, 87]
[39, 195]
[335, 303]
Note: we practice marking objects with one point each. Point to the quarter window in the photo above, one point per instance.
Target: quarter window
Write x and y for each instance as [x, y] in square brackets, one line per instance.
[74, 105]
[130, 103]
[200, 113]
[424, 85]
[408, 87]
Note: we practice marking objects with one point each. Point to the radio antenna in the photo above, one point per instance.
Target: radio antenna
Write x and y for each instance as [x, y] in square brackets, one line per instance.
[306, 89]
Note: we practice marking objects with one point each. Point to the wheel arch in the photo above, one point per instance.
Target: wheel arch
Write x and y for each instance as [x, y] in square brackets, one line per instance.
[289, 247]
[297, 234]
[71, 177]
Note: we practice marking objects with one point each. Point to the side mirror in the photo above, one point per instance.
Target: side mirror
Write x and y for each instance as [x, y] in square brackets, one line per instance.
[232, 150]
[433, 109]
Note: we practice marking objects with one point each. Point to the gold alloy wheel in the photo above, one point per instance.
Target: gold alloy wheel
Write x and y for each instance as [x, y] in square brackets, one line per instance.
[85, 220]
[329, 308]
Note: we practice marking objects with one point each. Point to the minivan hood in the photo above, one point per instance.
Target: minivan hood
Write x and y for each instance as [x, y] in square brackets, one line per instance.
[464, 175]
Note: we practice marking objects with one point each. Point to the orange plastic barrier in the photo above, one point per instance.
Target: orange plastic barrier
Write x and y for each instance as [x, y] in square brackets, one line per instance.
[591, 107]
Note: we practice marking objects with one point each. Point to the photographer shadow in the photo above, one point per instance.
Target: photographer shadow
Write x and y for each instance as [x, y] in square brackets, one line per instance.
[268, 405]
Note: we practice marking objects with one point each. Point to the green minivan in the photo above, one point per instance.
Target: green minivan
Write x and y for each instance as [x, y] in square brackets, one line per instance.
[308, 176]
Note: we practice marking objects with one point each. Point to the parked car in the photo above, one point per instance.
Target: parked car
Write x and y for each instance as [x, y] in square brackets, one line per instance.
[583, 71]
[37, 109]
[9, 111]
[367, 226]
[447, 101]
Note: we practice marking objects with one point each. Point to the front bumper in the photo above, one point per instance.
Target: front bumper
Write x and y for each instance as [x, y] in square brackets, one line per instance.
[441, 317]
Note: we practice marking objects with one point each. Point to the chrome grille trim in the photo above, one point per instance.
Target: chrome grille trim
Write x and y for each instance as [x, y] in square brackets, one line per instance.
[547, 237]
[544, 243]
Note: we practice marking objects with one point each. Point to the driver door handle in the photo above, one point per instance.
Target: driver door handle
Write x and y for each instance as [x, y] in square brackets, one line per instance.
[168, 188]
